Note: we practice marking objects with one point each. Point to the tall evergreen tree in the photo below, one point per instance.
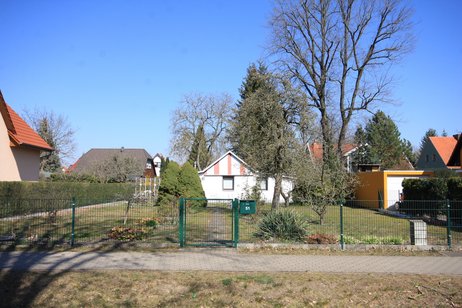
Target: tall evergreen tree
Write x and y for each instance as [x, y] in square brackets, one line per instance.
[49, 161]
[264, 128]
[199, 157]
[429, 133]
[257, 78]
[384, 142]
[360, 156]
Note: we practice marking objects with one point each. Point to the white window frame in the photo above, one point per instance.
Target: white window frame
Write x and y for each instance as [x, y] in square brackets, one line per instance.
[228, 178]
[263, 182]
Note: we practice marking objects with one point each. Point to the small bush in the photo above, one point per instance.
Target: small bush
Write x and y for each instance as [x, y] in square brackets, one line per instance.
[126, 234]
[149, 222]
[322, 239]
[282, 224]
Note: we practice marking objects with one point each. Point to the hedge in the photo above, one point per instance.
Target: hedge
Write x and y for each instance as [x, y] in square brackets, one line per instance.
[430, 197]
[19, 198]
[83, 192]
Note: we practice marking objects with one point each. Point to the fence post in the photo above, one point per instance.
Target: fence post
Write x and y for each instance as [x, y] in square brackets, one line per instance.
[181, 225]
[73, 222]
[448, 224]
[236, 222]
[342, 239]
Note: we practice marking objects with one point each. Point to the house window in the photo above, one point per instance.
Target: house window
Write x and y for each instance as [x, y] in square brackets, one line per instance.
[434, 157]
[427, 158]
[228, 183]
[264, 184]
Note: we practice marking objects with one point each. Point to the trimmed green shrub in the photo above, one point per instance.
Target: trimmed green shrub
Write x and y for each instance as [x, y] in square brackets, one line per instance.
[424, 196]
[191, 186]
[170, 190]
[455, 197]
[66, 190]
[283, 224]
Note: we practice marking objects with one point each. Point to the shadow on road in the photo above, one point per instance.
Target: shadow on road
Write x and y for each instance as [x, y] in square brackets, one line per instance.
[20, 284]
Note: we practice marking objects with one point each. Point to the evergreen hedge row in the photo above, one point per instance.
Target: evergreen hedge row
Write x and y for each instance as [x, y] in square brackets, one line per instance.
[85, 193]
[430, 197]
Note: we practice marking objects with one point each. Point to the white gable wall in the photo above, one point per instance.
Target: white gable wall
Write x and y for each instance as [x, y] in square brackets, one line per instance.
[244, 180]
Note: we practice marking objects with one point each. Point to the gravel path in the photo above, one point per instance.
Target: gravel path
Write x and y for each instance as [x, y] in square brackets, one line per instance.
[228, 260]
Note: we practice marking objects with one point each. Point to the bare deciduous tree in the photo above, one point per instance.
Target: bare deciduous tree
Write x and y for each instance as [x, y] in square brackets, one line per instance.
[210, 112]
[339, 51]
[57, 132]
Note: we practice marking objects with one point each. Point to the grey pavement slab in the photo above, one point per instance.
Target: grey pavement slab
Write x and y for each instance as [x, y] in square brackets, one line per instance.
[228, 260]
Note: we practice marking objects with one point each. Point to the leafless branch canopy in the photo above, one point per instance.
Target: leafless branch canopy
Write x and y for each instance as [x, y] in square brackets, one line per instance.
[59, 132]
[209, 111]
[338, 51]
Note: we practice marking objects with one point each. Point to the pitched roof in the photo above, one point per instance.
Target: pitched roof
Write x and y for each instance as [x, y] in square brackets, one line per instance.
[444, 146]
[223, 156]
[316, 150]
[455, 158]
[93, 156]
[19, 132]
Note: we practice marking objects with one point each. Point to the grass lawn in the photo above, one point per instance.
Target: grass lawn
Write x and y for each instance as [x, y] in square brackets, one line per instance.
[213, 289]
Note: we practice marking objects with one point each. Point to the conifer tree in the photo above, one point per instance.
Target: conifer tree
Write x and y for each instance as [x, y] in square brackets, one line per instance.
[199, 157]
[264, 128]
[385, 145]
[170, 188]
[190, 184]
[429, 133]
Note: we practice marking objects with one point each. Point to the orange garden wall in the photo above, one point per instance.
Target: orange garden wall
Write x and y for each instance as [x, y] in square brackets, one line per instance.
[370, 183]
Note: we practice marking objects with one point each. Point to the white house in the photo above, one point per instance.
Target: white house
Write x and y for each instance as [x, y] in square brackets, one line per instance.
[230, 177]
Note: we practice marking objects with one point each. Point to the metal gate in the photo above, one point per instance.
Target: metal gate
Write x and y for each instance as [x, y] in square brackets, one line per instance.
[208, 222]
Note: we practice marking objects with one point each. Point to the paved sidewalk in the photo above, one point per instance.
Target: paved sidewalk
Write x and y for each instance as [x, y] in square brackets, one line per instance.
[228, 260]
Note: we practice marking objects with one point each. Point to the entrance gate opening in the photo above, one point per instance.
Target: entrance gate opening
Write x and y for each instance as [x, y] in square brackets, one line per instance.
[208, 222]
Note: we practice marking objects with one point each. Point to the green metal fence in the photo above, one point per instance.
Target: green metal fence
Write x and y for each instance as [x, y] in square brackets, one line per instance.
[208, 222]
[51, 222]
[66, 221]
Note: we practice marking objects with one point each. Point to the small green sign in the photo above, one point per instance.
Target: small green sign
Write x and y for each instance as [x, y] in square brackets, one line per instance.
[247, 207]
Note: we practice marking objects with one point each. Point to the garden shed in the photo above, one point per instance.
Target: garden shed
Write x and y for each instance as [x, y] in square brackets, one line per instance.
[382, 189]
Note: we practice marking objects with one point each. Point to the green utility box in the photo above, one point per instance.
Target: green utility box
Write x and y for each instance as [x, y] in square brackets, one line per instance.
[247, 206]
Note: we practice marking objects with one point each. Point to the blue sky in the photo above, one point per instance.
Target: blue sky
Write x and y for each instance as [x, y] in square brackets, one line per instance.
[117, 69]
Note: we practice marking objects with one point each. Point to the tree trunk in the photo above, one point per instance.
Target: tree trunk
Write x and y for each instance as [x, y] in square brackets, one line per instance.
[277, 191]
[286, 198]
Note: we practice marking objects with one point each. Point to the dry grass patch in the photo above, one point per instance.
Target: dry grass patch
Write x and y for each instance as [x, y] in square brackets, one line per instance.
[211, 289]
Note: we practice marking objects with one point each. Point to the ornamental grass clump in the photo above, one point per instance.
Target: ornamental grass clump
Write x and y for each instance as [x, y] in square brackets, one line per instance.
[282, 224]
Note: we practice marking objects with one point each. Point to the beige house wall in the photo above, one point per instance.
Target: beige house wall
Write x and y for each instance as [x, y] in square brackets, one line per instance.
[28, 162]
[17, 163]
[8, 167]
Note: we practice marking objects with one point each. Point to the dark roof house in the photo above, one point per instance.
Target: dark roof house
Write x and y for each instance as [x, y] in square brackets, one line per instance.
[87, 162]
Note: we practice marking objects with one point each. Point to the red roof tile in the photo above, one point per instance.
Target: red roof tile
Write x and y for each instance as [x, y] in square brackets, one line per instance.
[444, 146]
[316, 150]
[20, 133]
